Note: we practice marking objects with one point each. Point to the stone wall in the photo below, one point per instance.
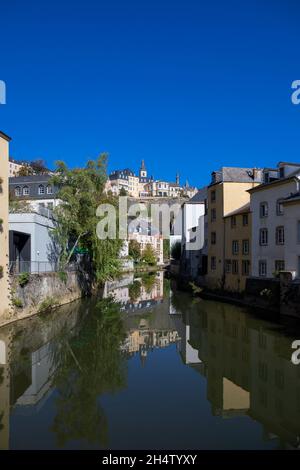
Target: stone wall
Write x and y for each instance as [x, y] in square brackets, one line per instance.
[43, 288]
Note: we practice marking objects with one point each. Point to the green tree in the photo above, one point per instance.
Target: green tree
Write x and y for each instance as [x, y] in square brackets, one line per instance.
[149, 255]
[123, 192]
[81, 191]
[134, 250]
[166, 248]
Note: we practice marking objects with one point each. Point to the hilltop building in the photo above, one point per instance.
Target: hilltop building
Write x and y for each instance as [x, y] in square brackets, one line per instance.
[145, 186]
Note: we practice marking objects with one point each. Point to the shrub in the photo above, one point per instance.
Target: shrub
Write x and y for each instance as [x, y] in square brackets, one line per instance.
[134, 250]
[48, 304]
[23, 279]
[63, 276]
[17, 302]
[149, 256]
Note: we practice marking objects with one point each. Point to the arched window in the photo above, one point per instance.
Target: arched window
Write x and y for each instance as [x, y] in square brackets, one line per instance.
[18, 191]
[25, 191]
[41, 189]
[49, 189]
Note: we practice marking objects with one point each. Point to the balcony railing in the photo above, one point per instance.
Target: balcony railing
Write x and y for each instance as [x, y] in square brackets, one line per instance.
[38, 267]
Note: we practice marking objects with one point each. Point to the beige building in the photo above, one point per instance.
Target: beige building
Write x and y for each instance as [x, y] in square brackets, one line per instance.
[227, 193]
[237, 248]
[4, 232]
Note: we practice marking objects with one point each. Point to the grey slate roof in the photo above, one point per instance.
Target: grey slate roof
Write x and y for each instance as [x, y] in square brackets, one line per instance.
[238, 175]
[33, 182]
[200, 196]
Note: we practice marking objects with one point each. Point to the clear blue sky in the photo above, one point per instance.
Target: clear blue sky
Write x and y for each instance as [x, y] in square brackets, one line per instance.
[188, 85]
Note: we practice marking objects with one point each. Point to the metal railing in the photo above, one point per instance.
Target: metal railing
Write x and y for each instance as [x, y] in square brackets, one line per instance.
[38, 267]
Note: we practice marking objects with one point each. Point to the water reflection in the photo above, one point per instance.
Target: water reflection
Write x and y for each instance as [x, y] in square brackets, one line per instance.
[62, 375]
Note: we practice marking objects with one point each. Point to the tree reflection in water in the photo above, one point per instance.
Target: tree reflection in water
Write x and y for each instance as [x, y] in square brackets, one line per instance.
[88, 365]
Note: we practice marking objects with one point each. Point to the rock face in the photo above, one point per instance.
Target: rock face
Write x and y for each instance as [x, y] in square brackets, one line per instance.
[48, 289]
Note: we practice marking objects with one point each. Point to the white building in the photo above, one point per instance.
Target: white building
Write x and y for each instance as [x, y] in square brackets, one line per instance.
[270, 224]
[32, 247]
[291, 208]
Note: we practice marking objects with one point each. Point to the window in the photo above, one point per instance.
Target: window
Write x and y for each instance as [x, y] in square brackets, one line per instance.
[262, 268]
[263, 210]
[18, 191]
[213, 238]
[228, 266]
[245, 220]
[279, 207]
[213, 263]
[279, 265]
[49, 189]
[235, 267]
[280, 235]
[25, 191]
[235, 247]
[213, 196]
[213, 215]
[245, 267]
[245, 247]
[233, 221]
[281, 172]
[41, 189]
[263, 236]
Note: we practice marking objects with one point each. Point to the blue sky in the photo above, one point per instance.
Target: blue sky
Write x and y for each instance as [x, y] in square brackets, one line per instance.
[188, 85]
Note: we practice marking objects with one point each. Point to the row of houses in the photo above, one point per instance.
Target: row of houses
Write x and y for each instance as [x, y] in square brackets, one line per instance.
[142, 185]
[249, 222]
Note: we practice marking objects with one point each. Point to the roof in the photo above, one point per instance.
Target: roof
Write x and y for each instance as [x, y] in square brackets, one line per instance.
[238, 175]
[29, 179]
[289, 163]
[5, 136]
[200, 196]
[240, 211]
[276, 182]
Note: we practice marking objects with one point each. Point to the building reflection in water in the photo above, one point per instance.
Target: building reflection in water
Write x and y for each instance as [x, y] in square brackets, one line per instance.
[81, 352]
[247, 364]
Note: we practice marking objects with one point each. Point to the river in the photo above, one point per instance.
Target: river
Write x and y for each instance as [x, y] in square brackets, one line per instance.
[149, 367]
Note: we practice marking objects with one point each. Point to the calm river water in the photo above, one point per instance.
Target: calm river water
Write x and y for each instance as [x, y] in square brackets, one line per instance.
[148, 367]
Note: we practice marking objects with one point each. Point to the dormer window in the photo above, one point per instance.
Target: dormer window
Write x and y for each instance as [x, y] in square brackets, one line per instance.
[25, 191]
[49, 189]
[41, 189]
[18, 191]
[281, 172]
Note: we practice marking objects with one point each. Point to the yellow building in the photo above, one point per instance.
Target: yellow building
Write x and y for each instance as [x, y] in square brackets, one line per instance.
[227, 193]
[237, 248]
[4, 232]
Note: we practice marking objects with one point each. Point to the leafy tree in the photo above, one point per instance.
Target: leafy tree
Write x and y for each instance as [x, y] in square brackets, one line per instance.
[25, 170]
[81, 192]
[176, 251]
[123, 192]
[39, 167]
[166, 248]
[134, 250]
[149, 255]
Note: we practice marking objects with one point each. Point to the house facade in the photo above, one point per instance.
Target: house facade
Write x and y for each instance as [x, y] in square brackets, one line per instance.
[4, 241]
[37, 190]
[270, 223]
[237, 227]
[291, 209]
[228, 192]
